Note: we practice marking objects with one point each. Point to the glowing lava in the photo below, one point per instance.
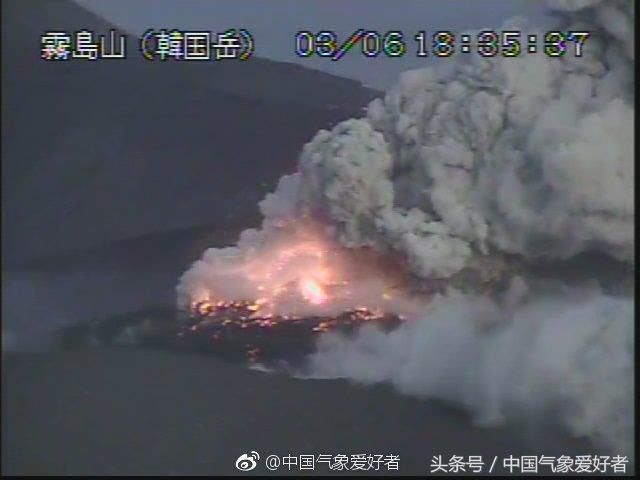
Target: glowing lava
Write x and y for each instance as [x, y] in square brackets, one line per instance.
[270, 300]
[299, 273]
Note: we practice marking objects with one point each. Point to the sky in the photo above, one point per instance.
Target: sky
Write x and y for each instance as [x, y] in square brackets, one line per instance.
[274, 23]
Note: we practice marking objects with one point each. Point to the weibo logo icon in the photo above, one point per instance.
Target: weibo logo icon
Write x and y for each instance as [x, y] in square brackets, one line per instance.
[247, 462]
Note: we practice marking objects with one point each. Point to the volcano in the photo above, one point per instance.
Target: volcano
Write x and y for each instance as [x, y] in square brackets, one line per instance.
[233, 332]
[230, 331]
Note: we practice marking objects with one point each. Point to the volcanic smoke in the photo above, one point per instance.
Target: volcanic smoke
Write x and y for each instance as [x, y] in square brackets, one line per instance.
[439, 205]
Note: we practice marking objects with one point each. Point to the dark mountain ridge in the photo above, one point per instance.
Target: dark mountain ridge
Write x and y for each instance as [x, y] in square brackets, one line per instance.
[94, 152]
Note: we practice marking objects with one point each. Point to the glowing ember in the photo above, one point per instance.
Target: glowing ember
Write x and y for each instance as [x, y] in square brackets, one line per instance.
[233, 331]
[302, 274]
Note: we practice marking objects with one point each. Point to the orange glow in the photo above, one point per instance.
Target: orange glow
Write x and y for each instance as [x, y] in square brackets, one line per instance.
[312, 291]
[302, 272]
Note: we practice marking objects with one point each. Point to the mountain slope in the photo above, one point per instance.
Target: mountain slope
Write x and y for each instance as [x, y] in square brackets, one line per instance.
[98, 151]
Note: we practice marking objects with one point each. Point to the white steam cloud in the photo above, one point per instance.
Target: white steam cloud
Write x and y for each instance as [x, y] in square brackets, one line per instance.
[566, 359]
[461, 174]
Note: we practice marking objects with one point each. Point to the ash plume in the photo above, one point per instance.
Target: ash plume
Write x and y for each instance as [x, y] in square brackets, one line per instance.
[531, 156]
[472, 176]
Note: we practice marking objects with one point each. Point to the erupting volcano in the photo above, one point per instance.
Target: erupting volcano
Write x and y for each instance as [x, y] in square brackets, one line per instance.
[466, 182]
[300, 272]
[277, 296]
